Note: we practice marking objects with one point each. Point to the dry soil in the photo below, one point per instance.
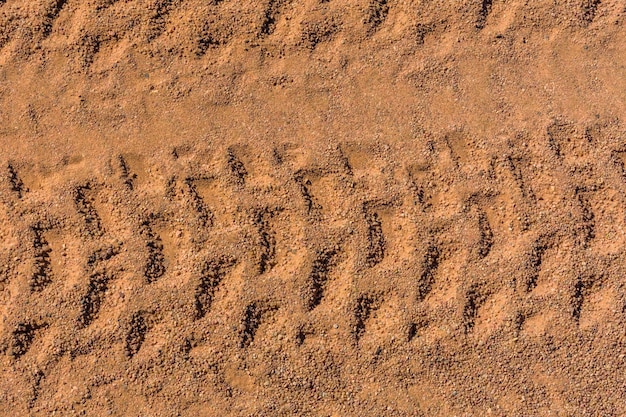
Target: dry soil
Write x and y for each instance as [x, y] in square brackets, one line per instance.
[316, 207]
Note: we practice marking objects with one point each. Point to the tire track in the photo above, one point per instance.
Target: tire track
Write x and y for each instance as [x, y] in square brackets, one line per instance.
[429, 269]
[587, 226]
[254, 315]
[135, 336]
[483, 13]
[318, 277]
[266, 258]
[364, 307]
[16, 184]
[211, 276]
[474, 299]
[270, 17]
[126, 175]
[52, 13]
[377, 13]
[85, 207]
[376, 239]
[405, 304]
[42, 270]
[99, 278]
[205, 216]
[236, 167]
[486, 235]
[154, 267]
[22, 338]
[537, 252]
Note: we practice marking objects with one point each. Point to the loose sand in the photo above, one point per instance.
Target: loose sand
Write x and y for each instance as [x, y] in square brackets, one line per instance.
[333, 208]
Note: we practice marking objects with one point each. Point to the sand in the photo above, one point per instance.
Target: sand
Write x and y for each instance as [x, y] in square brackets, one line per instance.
[325, 208]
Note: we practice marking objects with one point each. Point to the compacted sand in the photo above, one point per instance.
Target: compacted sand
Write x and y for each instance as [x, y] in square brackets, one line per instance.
[325, 208]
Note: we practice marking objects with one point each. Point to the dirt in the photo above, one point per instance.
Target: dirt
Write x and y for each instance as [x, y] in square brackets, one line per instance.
[333, 208]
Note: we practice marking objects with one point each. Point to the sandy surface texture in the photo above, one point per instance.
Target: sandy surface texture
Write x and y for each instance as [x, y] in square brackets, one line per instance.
[316, 207]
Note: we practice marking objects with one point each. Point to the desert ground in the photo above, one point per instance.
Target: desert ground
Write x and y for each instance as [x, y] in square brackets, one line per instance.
[313, 208]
